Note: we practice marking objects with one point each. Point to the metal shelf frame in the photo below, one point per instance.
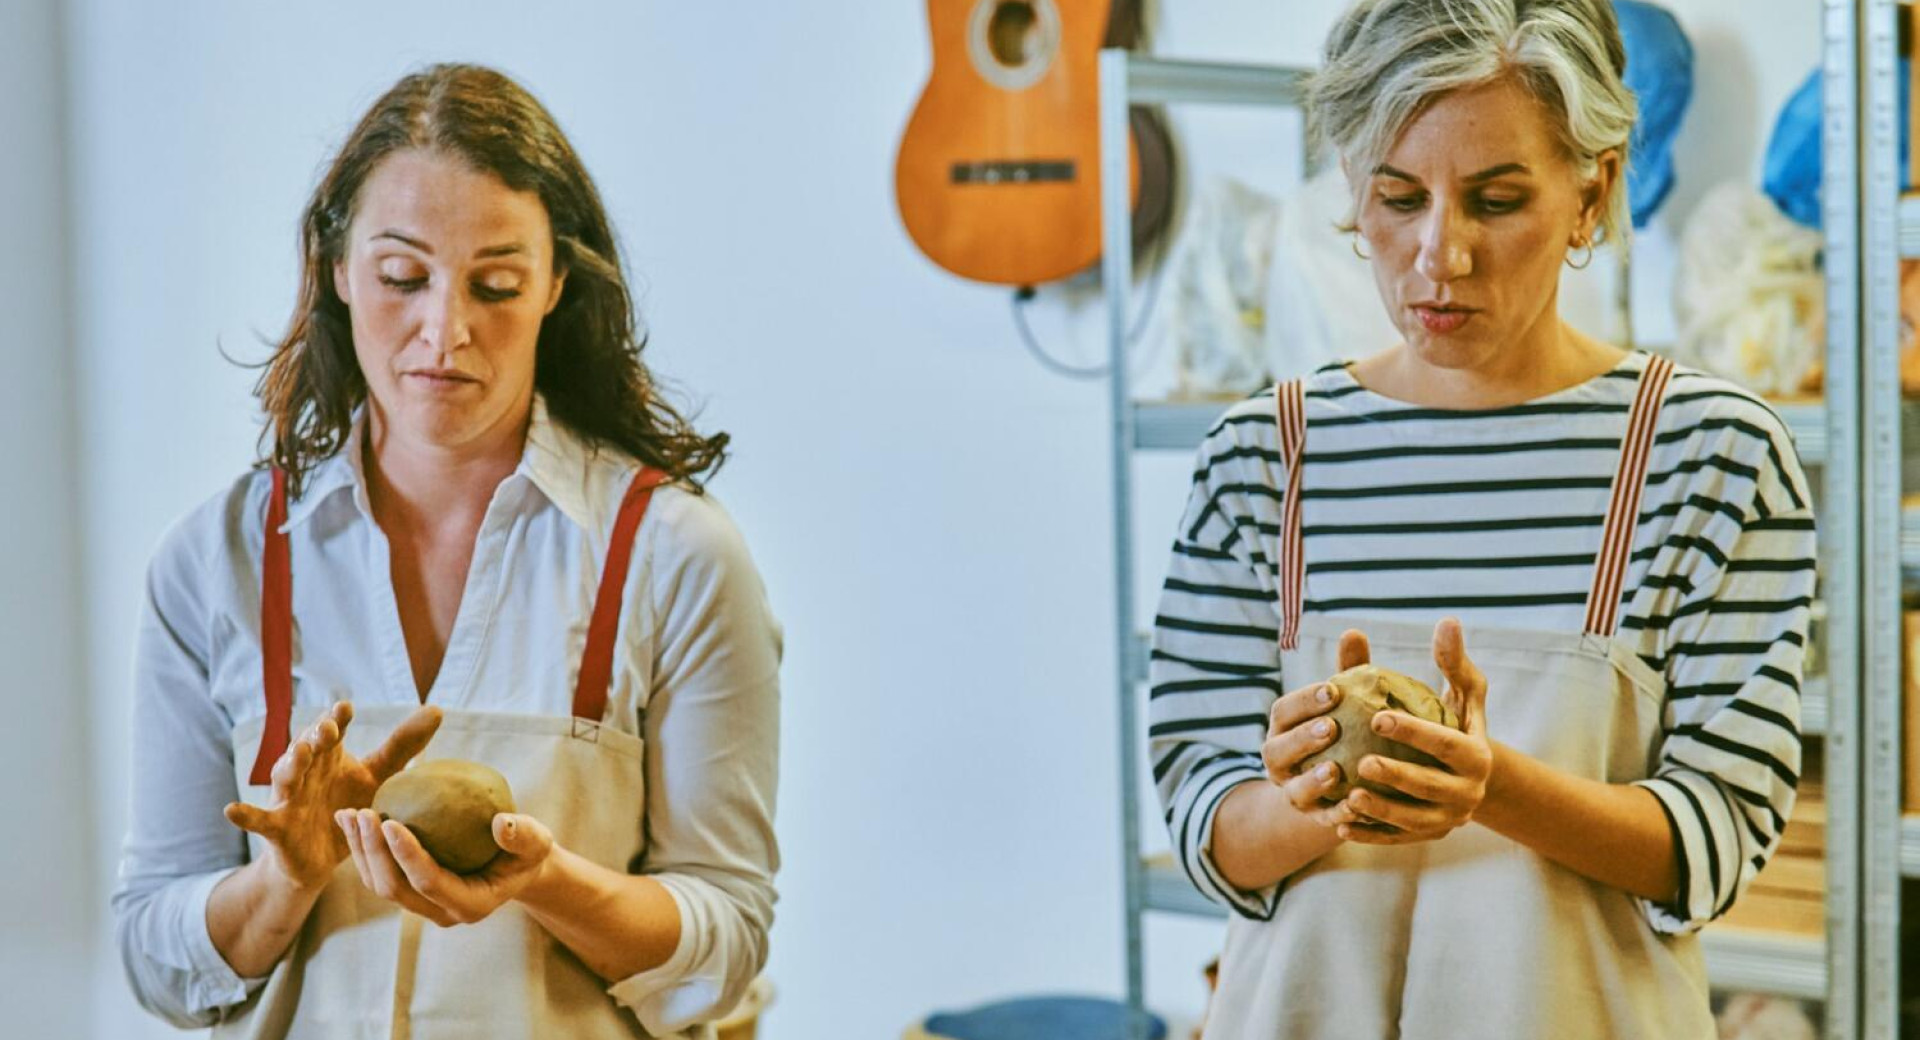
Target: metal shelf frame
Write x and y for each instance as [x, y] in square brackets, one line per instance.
[1858, 601]
[1876, 234]
[1127, 79]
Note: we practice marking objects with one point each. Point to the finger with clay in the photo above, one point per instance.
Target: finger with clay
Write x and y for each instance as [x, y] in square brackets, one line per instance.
[1439, 791]
[1299, 730]
[315, 778]
[393, 865]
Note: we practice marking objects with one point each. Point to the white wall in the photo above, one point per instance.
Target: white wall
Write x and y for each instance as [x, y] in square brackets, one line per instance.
[48, 905]
[929, 508]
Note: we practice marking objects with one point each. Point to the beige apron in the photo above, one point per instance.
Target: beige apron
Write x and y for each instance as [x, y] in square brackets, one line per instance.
[361, 968]
[1474, 936]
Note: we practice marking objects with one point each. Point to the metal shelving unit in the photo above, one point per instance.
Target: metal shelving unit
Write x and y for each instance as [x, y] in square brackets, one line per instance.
[1880, 235]
[1127, 79]
[1803, 967]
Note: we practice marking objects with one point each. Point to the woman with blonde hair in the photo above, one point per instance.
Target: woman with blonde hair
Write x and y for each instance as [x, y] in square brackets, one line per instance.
[1605, 562]
[478, 532]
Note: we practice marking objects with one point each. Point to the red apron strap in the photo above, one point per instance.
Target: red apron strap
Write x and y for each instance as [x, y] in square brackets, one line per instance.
[276, 634]
[1290, 399]
[1623, 511]
[596, 662]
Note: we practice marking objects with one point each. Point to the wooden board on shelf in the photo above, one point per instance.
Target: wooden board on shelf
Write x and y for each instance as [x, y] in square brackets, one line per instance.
[1806, 832]
[1910, 683]
[1778, 913]
[1801, 875]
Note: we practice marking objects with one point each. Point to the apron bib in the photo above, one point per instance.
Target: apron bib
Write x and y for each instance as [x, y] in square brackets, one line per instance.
[362, 968]
[1475, 936]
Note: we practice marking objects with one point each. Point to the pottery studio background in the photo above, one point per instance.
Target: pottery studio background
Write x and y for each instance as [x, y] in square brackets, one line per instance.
[929, 507]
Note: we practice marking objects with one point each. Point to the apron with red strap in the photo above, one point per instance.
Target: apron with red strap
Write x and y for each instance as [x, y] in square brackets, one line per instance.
[362, 968]
[1475, 936]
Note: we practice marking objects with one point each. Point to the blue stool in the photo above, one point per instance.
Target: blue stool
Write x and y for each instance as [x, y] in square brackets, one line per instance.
[1041, 1018]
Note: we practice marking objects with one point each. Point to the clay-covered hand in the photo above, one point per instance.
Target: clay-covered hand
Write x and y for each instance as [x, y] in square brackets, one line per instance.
[393, 866]
[1297, 728]
[315, 778]
[1436, 800]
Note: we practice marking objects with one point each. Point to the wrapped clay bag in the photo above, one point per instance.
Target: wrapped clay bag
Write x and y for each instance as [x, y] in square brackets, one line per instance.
[1365, 691]
[1749, 294]
[1219, 272]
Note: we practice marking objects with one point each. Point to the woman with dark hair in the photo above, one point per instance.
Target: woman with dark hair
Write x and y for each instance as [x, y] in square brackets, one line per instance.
[478, 533]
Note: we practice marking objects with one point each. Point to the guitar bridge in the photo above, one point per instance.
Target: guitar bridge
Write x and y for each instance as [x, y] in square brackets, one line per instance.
[1023, 171]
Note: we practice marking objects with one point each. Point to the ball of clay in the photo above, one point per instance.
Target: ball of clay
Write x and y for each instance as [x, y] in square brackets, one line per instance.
[1365, 691]
[448, 804]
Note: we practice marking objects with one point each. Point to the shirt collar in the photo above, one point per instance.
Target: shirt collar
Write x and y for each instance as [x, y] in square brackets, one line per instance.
[574, 475]
[338, 472]
[571, 473]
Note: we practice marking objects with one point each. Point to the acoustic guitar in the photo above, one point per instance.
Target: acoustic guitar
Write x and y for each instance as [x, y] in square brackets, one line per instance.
[998, 174]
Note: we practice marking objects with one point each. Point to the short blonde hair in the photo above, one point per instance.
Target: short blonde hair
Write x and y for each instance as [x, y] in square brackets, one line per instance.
[1387, 60]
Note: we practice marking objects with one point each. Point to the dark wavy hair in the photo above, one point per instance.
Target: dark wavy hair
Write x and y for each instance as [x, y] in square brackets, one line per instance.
[587, 359]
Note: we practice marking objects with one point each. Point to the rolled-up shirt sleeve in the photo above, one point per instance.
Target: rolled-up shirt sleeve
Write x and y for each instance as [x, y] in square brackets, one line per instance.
[178, 845]
[1730, 756]
[712, 733]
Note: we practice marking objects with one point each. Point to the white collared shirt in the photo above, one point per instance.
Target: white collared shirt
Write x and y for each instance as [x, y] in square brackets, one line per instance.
[695, 675]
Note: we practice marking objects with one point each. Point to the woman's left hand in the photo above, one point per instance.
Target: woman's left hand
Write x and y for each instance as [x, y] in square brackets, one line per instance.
[1436, 800]
[393, 866]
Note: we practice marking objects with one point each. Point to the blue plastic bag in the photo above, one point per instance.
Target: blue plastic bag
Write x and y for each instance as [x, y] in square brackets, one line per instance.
[1660, 74]
[1791, 173]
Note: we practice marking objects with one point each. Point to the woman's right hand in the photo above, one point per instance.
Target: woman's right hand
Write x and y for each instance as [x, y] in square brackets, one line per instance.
[315, 778]
[1297, 729]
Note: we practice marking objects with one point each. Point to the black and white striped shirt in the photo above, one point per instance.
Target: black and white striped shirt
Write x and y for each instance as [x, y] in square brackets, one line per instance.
[1494, 516]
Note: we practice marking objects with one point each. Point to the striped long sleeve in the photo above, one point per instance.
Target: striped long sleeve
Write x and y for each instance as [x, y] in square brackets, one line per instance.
[1730, 758]
[1215, 669]
[1507, 505]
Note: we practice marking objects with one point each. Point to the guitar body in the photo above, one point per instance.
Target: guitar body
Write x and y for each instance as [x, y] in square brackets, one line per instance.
[998, 175]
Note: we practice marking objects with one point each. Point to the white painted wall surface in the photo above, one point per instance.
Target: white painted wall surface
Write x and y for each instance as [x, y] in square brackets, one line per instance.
[48, 905]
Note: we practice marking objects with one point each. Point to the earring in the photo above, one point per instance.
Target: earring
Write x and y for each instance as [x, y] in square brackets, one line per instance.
[1582, 265]
[1355, 244]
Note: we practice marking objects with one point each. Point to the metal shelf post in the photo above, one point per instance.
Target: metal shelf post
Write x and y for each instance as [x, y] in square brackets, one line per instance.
[1879, 484]
[1839, 520]
[1125, 80]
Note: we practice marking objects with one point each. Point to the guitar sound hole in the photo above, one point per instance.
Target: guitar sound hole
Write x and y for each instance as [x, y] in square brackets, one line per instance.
[1012, 44]
[1013, 32]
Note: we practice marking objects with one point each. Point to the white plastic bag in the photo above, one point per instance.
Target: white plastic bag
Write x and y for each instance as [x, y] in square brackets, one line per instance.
[1748, 292]
[1267, 289]
[1216, 311]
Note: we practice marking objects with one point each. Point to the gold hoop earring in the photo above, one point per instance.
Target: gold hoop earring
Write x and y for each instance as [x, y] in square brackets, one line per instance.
[1355, 243]
[1582, 265]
